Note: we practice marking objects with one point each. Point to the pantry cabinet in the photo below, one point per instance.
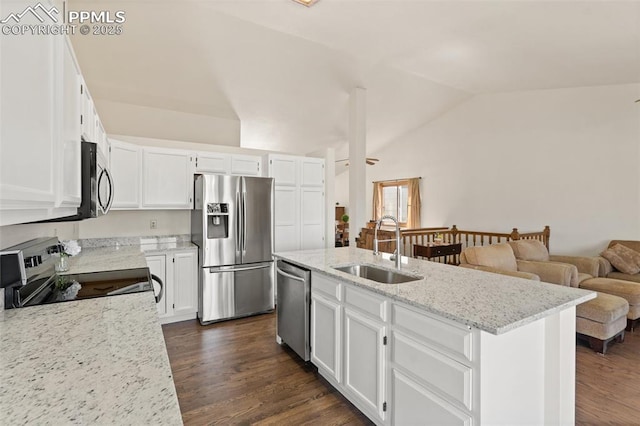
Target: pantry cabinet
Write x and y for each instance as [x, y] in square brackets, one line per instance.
[178, 271]
[299, 201]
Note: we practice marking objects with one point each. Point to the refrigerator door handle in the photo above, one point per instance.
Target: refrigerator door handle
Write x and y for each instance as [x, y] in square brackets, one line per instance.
[238, 227]
[237, 269]
[244, 222]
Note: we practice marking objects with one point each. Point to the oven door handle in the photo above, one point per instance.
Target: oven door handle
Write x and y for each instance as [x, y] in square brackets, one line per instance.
[159, 281]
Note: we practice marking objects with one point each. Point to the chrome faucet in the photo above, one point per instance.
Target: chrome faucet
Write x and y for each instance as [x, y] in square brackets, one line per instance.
[396, 255]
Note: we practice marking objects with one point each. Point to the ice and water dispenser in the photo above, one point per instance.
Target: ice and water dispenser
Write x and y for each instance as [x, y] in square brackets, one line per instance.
[217, 220]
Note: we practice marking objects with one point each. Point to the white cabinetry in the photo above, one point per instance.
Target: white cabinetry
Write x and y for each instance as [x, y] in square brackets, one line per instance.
[348, 342]
[178, 271]
[299, 201]
[326, 326]
[126, 165]
[167, 178]
[213, 162]
[70, 148]
[245, 165]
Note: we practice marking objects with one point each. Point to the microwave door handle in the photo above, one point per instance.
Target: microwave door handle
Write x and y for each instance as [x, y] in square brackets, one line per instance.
[111, 188]
[101, 205]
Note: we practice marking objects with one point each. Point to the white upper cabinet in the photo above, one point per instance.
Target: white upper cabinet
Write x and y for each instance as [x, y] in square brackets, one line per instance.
[213, 162]
[283, 169]
[29, 120]
[167, 178]
[126, 165]
[70, 144]
[245, 165]
[312, 171]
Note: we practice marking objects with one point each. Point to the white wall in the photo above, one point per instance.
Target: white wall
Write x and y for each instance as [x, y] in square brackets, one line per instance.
[143, 121]
[115, 224]
[567, 158]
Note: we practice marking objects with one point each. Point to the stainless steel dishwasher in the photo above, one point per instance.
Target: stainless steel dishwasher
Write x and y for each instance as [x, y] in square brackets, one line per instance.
[293, 305]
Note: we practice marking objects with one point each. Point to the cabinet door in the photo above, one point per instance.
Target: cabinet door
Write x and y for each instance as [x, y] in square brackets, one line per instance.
[29, 117]
[312, 172]
[167, 179]
[125, 169]
[325, 335]
[213, 162]
[88, 114]
[364, 361]
[283, 169]
[311, 218]
[70, 193]
[414, 405]
[245, 165]
[287, 231]
[157, 265]
[185, 283]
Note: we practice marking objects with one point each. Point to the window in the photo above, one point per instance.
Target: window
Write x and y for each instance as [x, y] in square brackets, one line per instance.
[399, 198]
[395, 197]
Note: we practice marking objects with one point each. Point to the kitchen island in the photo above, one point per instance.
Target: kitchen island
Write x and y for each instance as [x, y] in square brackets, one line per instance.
[93, 361]
[453, 346]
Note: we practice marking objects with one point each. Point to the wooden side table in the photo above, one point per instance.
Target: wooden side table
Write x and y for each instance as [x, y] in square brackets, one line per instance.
[433, 251]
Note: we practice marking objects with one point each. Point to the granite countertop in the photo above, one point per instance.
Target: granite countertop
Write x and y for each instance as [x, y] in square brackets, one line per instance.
[109, 254]
[490, 302]
[96, 361]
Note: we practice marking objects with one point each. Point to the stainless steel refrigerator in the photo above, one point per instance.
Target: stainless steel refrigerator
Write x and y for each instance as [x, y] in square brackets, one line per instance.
[232, 224]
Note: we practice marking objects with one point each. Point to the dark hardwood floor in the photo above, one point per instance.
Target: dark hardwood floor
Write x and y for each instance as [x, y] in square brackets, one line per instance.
[234, 373]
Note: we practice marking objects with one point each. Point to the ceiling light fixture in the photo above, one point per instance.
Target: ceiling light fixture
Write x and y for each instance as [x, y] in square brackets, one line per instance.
[370, 161]
[307, 3]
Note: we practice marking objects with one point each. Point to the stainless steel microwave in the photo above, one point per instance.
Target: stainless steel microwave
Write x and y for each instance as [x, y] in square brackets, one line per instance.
[96, 185]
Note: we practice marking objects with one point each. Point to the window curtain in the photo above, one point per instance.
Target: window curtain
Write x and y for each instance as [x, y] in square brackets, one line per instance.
[377, 200]
[413, 204]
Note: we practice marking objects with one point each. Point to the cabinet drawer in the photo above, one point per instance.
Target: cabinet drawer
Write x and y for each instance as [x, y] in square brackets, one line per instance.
[452, 337]
[443, 373]
[366, 302]
[326, 286]
[415, 405]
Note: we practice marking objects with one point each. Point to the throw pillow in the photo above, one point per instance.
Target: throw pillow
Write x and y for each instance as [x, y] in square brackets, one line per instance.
[530, 250]
[623, 258]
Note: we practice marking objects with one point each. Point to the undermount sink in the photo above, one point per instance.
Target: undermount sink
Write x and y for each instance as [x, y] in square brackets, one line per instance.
[381, 275]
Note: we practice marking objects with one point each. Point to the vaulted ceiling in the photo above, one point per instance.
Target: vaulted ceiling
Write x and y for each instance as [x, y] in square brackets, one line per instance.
[286, 71]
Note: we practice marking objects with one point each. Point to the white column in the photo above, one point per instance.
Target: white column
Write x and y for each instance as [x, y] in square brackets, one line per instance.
[357, 155]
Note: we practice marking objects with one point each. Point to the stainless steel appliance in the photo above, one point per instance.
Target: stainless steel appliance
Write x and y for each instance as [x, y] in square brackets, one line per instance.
[28, 278]
[232, 224]
[294, 302]
[96, 185]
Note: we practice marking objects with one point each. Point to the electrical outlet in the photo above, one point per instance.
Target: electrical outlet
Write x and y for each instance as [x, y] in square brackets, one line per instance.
[154, 224]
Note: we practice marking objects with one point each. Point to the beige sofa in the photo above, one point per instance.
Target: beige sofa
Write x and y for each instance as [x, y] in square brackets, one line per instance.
[599, 321]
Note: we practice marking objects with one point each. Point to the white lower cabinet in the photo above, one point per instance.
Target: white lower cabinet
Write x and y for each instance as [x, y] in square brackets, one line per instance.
[379, 354]
[365, 361]
[326, 335]
[178, 272]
